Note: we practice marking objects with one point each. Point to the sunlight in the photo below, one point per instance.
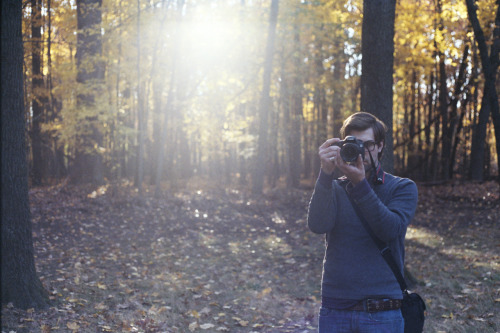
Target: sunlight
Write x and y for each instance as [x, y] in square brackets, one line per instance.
[211, 38]
[424, 237]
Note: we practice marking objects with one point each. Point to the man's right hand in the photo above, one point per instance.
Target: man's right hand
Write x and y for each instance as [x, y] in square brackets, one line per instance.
[328, 155]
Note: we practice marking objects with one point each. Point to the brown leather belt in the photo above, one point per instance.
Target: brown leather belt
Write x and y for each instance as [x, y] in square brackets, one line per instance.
[376, 305]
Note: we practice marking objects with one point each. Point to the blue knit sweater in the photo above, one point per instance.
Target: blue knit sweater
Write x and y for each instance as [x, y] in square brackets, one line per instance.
[353, 267]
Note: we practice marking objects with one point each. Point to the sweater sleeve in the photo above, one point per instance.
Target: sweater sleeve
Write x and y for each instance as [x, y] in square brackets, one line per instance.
[391, 219]
[320, 217]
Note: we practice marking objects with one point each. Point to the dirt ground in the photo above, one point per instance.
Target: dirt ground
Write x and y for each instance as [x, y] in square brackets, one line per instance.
[205, 259]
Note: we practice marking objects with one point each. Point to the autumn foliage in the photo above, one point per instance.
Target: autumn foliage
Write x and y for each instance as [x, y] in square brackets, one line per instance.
[166, 90]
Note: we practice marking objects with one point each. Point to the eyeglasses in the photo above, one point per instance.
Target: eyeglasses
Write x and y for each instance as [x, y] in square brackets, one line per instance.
[370, 145]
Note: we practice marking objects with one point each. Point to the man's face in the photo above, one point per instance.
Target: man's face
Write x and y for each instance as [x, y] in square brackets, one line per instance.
[368, 137]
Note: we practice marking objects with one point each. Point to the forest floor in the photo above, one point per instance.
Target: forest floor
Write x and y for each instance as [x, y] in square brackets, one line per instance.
[212, 260]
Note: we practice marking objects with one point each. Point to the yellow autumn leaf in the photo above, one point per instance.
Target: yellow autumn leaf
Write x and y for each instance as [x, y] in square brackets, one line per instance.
[101, 286]
[243, 323]
[265, 291]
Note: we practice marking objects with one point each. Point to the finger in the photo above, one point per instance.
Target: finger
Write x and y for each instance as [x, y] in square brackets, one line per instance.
[360, 162]
[340, 161]
[329, 142]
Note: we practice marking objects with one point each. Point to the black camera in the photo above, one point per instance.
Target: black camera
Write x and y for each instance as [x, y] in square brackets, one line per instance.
[350, 148]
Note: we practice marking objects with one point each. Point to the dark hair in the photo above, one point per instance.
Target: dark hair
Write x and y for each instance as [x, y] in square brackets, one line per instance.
[361, 121]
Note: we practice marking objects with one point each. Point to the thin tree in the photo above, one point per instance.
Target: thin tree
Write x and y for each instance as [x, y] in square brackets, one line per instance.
[140, 112]
[377, 48]
[37, 104]
[20, 284]
[265, 103]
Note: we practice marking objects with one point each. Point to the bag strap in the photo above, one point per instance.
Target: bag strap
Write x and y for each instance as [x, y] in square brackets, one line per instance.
[383, 248]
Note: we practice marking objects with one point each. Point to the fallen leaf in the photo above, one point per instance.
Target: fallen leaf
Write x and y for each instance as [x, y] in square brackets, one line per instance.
[73, 326]
[207, 326]
[193, 326]
[101, 306]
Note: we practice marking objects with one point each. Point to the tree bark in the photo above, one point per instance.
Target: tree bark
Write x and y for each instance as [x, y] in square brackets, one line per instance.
[377, 47]
[37, 97]
[140, 112]
[489, 103]
[456, 121]
[294, 135]
[265, 104]
[88, 166]
[20, 284]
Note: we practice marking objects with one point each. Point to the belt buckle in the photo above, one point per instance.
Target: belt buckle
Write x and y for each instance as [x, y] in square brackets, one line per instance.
[372, 305]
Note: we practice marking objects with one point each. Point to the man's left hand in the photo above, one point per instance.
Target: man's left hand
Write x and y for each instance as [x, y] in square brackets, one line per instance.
[355, 172]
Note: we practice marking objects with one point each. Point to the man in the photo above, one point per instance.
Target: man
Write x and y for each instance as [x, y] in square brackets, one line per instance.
[354, 272]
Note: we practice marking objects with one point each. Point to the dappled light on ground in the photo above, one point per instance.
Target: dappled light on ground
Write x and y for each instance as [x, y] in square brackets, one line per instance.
[223, 261]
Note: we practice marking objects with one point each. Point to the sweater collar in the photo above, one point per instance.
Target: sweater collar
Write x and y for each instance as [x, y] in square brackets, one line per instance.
[379, 177]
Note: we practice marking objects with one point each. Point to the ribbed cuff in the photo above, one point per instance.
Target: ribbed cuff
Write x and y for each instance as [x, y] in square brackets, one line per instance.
[325, 179]
[360, 190]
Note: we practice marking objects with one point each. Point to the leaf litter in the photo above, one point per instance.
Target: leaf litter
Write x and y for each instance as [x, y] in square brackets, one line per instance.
[211, 260]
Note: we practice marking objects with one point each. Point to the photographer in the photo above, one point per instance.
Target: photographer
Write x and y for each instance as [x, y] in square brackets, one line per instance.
[359, 290]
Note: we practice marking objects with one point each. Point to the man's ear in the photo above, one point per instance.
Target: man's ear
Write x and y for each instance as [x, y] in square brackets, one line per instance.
[380, 146]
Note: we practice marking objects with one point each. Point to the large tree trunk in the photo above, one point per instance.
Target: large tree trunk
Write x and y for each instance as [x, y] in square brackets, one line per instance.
[265, 104]
[88, 166]
[377, 42]
[20, 284]
[489, 103]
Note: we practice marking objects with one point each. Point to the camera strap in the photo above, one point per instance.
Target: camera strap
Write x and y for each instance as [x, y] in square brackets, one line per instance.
[378, 180]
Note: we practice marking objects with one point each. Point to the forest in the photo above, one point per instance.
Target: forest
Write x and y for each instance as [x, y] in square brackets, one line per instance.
[159, 92]
[158, 157]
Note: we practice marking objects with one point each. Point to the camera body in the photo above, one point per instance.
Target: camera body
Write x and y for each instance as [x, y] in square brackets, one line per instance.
[350, 149]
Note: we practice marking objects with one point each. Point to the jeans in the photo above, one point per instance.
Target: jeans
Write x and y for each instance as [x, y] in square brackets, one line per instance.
[344, 321]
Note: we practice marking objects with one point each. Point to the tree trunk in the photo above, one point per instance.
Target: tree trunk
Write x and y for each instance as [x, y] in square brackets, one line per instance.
[455, 120]
[168, 109]
[338, 90]
[430, 99]
[443, 109]
[489, 103]
[20, 284]
[37, 91]
[294, 135]
[88, 166]
[140, 111]
[265, 104]
[377, 42]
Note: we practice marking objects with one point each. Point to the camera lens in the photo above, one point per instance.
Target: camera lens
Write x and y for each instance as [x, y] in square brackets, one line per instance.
[349, 152]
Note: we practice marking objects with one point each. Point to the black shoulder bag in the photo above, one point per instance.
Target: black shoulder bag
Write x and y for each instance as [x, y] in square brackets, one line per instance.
[413, 306]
